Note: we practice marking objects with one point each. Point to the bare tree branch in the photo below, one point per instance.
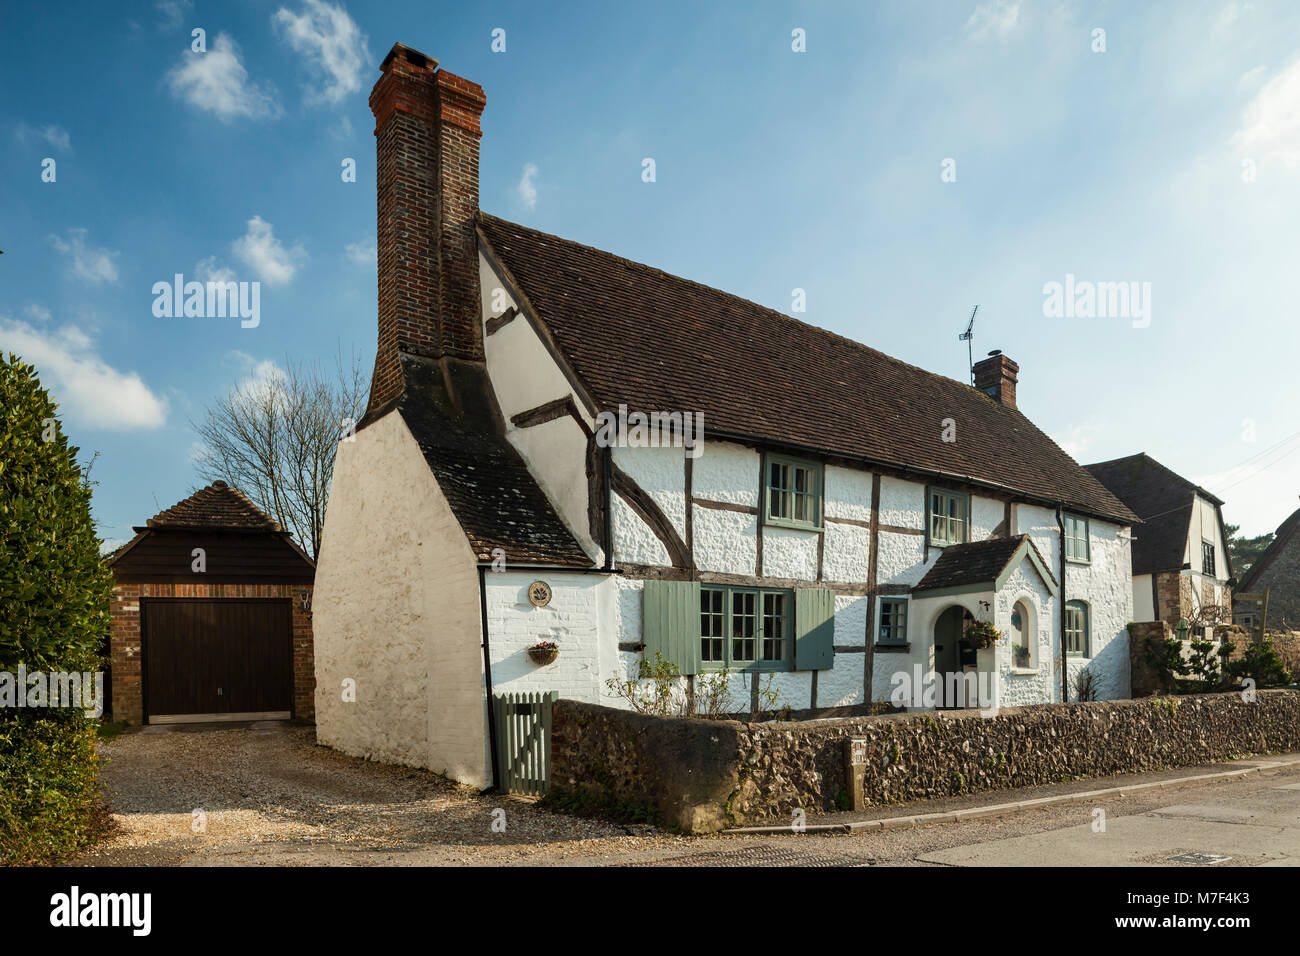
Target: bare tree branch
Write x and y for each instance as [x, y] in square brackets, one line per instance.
[274, 438]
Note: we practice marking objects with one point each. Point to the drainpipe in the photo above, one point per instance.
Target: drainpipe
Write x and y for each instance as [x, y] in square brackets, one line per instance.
[608, 482]
[1065, 670]
[487, 679]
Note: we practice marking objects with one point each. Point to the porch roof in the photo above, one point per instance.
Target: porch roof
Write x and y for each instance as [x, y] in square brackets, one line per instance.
[982, 566]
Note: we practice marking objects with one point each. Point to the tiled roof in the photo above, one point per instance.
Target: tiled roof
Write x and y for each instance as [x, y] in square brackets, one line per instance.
[216, 506]
[978, 562]
[639, 336]
[1281, 540]
[1163, 500]
[488, 486]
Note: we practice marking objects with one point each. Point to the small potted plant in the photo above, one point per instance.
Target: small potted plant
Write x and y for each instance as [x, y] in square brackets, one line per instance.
[981, 634]
[544, 652]
[1022, 656]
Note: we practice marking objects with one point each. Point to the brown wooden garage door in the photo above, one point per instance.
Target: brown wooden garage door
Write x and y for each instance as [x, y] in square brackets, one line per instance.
[217, 659]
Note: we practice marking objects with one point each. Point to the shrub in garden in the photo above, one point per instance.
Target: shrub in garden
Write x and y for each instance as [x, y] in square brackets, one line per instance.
[54, 616]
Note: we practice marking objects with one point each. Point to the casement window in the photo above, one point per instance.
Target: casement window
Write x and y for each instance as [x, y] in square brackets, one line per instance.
[1076, 629]
[706, 627]
[1076, 539]
[949, 517]
[1207, 558]
[745, 629]
[792, 492]
[893, 621]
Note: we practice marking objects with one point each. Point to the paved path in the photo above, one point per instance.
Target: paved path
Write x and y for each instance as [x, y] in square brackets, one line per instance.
[267, 795]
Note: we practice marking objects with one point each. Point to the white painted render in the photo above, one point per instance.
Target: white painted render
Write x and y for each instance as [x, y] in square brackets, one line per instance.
[524, 375]
[580, 616]
[1105, 584]
[1204, 526]
[396, 610]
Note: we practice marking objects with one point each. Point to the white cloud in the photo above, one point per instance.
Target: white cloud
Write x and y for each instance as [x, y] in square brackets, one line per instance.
[37, 312]
[527, 187]
[331, 39]
[266, 255]
[209, 271]
[89, 263]
[109, 545]
[364, 253]
[216, 81]
[87, 388]
[173, 12]
[998, 17]
[1271, 125]
[55, 136]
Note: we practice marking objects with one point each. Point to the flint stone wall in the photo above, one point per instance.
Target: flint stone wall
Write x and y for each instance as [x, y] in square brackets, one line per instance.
[707, 775]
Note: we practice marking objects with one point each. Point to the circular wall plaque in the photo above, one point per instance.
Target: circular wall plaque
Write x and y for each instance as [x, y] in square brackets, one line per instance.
[539, 594]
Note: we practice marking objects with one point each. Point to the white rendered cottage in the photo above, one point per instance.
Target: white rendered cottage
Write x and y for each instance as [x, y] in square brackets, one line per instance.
[827, 530]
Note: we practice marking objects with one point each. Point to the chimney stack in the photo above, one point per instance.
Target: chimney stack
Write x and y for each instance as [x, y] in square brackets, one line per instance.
[996, 377]
[426, 143]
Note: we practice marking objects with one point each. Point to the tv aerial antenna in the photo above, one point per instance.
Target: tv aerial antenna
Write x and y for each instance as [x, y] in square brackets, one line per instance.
[966, 337]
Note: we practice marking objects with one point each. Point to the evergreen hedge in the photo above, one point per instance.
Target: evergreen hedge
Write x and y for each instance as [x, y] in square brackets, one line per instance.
[54, 616]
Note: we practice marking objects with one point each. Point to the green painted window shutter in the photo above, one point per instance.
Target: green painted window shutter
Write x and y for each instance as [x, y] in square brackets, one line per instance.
[671, 623]
[814, 628]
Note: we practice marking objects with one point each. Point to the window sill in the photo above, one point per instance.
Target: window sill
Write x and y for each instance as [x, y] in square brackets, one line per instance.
[790, 525]
[893, 648]
[1025, 671]
[1085, 562]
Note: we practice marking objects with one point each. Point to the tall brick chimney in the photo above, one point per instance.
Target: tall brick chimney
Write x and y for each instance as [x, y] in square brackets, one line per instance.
[426, 142]
[996, 377]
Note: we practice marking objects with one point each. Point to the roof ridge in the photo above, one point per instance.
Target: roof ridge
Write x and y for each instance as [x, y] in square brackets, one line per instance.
[947, 380]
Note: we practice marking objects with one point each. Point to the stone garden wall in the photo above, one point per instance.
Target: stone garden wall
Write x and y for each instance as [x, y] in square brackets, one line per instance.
[706, 775]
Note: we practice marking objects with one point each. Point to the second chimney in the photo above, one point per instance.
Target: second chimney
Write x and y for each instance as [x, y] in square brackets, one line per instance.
[996, 377]
[427, 144]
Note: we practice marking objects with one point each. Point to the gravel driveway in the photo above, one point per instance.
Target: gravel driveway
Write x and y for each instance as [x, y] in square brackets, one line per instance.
[270, 795]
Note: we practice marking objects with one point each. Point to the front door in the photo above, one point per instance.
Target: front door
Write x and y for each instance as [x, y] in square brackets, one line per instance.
[948, 657]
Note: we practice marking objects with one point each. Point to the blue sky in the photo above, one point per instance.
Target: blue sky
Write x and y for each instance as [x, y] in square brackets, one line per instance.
[1171, 158]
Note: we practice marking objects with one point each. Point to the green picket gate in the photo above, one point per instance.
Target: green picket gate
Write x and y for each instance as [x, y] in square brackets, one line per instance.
[524, 741]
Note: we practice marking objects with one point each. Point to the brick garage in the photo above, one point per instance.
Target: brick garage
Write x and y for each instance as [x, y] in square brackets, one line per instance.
[211, 616]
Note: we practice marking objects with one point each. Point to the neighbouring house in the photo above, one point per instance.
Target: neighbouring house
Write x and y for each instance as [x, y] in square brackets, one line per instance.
[803, 510]
[1181, 566]
[1277, 570]
[211, 616]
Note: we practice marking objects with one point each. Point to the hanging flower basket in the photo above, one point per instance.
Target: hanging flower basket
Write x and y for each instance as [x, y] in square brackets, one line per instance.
[981, 634]
[544, 653]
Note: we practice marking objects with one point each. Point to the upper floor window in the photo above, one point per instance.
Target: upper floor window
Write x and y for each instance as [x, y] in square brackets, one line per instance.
[1076, 539]
[893, 621]
[1076, 629]
[793, 493]
[949, 517]
[746, 629]
[1207, 558]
